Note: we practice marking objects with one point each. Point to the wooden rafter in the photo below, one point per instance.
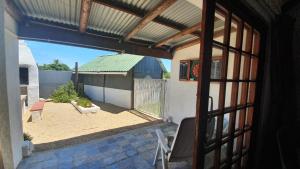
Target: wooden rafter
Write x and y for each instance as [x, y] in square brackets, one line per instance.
[149, 17]
[85, 14]
[187, 44]
[141, 13]
[196, 41]
[33, 30]
[179, 34]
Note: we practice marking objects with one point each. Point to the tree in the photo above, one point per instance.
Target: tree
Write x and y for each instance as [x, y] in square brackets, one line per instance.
[56, 65]
[166, 75]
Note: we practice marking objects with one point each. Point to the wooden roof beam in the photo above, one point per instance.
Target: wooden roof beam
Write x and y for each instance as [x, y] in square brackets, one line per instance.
[197, 41]
[52, 33]
[161, 7]
[84, 15]
[187, 44]
[117, 5]
[179, 34]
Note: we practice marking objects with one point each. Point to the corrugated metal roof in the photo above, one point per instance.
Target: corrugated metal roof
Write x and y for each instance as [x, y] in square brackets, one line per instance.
[183, 12]
[61, 11]
[111, 63]
[182, 40]
[109, 20]
[144, 4]
[155, 32]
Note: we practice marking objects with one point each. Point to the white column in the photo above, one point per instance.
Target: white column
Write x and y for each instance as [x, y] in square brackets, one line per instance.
[11, 132]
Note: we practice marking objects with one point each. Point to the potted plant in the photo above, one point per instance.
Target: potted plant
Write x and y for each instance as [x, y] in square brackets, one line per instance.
[27, 146]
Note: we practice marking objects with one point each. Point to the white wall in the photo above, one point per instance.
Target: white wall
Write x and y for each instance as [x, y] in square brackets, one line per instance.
[49, 80]
[181, 95]
[26, 60]
[94, 92]
[116, 97]
[11, 132]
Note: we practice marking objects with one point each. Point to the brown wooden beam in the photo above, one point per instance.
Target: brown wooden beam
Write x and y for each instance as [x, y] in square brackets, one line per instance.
[117, 5]
[161, 7]
[179, 34]
[205, 58]
[63, 35]
[85, 14]
[187, 44]
[196, 41]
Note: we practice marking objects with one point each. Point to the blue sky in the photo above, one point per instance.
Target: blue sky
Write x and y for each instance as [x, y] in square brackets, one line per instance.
[45, 53]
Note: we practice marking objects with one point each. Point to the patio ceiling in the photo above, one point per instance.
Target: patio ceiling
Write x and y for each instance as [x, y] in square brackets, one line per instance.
[148, 27]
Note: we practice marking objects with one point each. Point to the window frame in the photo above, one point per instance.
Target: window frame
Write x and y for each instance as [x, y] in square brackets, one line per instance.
[204, 80]
[189, 61]
[188, 70]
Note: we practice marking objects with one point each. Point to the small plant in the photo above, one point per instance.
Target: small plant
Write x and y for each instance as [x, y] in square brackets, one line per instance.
[84, 102]
[27, 137]
[64, 93]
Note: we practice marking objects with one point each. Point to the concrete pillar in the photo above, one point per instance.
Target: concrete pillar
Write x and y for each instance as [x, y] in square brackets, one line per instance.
[11, 132]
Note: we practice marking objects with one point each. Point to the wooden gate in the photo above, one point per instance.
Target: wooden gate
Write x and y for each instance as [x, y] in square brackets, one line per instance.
[149, 96]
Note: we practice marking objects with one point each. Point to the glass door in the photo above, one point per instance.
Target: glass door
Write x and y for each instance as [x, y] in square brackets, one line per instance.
[225, 127]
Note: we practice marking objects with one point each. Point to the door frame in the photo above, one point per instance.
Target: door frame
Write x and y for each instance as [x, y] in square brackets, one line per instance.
[205, 58]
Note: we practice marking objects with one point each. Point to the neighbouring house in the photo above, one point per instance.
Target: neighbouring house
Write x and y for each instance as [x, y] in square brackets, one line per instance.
[110, 79]
[29, 74]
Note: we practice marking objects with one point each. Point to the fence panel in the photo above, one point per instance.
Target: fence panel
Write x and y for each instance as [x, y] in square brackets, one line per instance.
[149, 96]
[49, 80]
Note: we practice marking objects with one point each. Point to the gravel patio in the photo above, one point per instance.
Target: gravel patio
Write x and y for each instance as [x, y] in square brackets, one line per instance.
[63, 125]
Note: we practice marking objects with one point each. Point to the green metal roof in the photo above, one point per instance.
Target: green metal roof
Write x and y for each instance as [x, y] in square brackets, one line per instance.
[111, 63]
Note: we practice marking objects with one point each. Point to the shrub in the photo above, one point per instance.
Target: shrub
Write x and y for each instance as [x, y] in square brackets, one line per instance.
[84, 102]
[27, 137]
[64, 93]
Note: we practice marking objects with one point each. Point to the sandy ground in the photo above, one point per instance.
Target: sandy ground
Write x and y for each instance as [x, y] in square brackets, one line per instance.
[62, 121]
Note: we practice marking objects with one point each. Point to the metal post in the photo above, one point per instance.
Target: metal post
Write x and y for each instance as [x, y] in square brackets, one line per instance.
[76, 77]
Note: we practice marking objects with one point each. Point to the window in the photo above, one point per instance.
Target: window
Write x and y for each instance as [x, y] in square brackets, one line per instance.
[232, 88]
[215, 69]
[24, 76]
[184, 70]
[194, 70]
[189, 70]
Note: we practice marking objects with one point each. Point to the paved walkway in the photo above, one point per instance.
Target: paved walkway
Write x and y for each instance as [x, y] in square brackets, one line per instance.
[129, 150]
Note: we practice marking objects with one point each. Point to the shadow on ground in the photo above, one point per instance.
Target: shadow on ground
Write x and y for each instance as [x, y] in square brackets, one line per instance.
[92, 136]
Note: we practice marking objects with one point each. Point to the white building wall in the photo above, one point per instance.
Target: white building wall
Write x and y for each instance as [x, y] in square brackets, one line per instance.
[118, 97]
[11, 131]
[181, 95]
[94, 92]
[26, 60]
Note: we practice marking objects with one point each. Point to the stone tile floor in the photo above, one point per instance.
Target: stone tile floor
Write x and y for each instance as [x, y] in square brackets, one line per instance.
[133, 149]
